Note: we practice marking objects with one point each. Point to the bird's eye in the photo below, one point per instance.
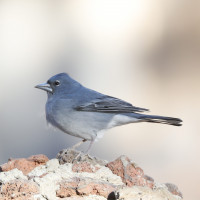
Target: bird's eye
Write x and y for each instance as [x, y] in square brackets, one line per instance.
[57, 83]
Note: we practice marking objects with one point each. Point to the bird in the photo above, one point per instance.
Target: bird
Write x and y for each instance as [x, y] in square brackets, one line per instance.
[87, 114]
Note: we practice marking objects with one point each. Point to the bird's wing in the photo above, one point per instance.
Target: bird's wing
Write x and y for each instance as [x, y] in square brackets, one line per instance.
[108, 104]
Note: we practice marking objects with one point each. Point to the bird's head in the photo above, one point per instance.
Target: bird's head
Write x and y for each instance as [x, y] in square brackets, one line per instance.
[60, 83]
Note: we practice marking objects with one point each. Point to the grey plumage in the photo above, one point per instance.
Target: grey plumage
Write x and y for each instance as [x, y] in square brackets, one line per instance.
[85, 113]
[108, 104]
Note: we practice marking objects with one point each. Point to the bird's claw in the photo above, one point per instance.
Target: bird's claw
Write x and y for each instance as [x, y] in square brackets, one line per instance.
[77, 157]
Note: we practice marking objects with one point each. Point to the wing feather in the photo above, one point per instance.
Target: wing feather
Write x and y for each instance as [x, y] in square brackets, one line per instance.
[108, 104]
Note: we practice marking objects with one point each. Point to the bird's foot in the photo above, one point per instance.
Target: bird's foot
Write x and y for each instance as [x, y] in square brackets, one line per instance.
[77, 158]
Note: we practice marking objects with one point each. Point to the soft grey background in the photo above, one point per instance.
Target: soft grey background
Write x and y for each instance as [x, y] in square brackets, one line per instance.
[145, 52]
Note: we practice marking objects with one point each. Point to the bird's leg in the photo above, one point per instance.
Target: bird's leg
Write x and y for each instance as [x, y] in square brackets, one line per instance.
[90, 145]
[78, 157]
[78, 144]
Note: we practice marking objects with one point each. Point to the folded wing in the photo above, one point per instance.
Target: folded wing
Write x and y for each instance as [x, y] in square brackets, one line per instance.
[108, 104]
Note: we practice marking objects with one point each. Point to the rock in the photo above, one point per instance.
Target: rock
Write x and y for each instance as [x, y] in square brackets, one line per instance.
[73, 156]
[67, 189]
[18, 189]
[82, 187]
[24, 164]
[130, 173]
[77, 176]
[81, 162]
[173, 189]
[145, 193]
[12, 175]
[84, 167]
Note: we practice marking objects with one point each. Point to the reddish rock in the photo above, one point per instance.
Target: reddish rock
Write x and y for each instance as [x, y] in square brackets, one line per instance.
[129, 172]
[79, 187]
[174, 189]
[84, 167]
[101, 189]
[25, 164]
[74, 187]
[18, 190]
[67, 189]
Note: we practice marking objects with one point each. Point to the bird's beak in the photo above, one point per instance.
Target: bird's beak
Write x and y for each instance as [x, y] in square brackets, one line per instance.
[45, 87]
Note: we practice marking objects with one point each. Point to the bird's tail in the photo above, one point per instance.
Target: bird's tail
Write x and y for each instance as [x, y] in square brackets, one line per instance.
[161, 119]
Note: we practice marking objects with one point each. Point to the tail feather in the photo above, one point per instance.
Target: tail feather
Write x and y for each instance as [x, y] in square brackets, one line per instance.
[161, 119]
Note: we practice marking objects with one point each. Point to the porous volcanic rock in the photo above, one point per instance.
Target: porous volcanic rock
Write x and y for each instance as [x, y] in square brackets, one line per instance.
[24, 164]
[130, 173]
[77, 176]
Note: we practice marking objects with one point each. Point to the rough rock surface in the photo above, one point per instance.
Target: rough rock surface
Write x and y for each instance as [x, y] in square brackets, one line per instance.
[19, 189]
[130, 173]
[24, 164]
[74, 175]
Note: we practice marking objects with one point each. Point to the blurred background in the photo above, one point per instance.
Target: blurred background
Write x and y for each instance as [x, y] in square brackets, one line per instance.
[144, 52]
